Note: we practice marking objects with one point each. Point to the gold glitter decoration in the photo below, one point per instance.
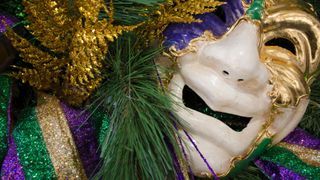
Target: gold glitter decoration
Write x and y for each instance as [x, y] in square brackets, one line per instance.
[74, 41]
[307, 155]
[58, 138]
[176, 11]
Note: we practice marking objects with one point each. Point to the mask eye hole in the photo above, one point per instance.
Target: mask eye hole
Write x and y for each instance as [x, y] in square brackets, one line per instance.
[282, 42]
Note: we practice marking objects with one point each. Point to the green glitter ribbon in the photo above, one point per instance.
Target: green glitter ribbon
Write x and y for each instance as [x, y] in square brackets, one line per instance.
[285, 158]
[101, 123]
[256, 9]
[32, 151]
[5, 96]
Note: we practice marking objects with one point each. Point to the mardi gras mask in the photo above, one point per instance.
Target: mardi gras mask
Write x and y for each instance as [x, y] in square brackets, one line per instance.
[242, 79]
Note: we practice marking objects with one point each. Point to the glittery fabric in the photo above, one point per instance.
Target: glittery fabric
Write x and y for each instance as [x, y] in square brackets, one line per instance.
[102, 123]
[302, 138]
[11, 167]
[179, 35]
[5, 96]
[309, 156]
[31, 148]
[276, 172]
[8, 21]
[287, 159]
[58, 138]
[84, 137]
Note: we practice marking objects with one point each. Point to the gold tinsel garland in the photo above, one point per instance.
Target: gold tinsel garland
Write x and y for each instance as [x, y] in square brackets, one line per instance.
[78, 41]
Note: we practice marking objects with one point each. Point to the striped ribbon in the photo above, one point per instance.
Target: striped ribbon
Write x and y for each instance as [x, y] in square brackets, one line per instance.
[296, 157]
[52, 141]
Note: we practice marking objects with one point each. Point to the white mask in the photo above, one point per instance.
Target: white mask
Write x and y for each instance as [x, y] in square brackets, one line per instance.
[239, 74]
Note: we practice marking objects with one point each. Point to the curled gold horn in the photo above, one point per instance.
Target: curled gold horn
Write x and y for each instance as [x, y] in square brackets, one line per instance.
[296, 21]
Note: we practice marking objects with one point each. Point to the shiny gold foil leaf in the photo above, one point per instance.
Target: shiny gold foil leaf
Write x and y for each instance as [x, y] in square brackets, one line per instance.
[74, 44]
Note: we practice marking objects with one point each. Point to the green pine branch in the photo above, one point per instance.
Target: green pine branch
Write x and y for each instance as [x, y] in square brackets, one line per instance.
[131, 12]
[135, 146]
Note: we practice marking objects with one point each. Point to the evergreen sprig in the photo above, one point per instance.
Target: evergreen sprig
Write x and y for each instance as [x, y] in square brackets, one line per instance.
[136, 145]
[131, 12]
[310, 121]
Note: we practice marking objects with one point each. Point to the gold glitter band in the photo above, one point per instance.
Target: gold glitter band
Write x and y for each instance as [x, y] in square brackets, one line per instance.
[58, 138]
[307, 155]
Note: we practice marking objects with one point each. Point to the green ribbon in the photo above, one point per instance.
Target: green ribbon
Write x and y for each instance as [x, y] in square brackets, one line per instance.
[31, 147]
[5, 98]
[286, 158]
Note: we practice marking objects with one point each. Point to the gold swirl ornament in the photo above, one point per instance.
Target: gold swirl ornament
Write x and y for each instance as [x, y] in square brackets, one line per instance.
[296, 22]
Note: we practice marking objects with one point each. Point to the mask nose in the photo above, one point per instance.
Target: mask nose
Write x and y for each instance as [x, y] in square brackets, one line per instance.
[236, 57]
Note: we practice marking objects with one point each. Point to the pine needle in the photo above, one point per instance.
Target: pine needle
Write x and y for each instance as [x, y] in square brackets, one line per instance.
[310, 121]
[141, 127]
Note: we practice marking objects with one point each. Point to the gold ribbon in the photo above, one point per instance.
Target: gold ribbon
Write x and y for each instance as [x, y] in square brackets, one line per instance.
[307, 155]
[58, 138]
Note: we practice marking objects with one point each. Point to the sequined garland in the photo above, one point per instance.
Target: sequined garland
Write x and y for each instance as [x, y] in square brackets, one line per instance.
[58, 138]
[31, 148]
[5, 96]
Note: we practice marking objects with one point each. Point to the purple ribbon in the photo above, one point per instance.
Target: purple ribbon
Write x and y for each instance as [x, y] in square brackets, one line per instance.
[5, 21]
[296, 137]
[276, 172]
[11, 167]
[302, 138]
[84, 137]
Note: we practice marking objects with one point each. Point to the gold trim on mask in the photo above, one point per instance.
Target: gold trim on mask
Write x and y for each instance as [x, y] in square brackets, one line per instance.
[207, 36]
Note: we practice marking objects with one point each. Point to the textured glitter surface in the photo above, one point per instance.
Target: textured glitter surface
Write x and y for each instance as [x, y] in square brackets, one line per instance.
[8, 21]
[101, 122]
[301, 137]
[5, 96]
[58, 138]
[32, 152]
[287, 159]
[11, 167]
[276, 172]
[179, 35]
[307, 155]
[84, 137]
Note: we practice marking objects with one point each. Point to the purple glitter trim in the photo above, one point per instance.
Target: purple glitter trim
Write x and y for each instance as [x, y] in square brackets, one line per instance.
[11, 167]
[184, 154]
[8, 20]
[276, 172]
[84, 137]
[180, 34]
[302, 138]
